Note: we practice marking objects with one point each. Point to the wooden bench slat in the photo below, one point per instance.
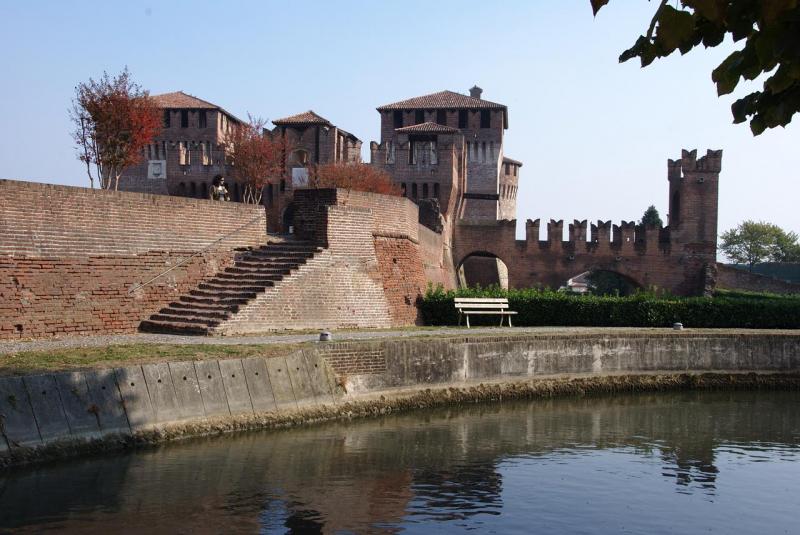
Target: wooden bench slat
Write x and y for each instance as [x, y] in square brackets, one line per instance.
[482, 305]
[495, 312]
[481, 300]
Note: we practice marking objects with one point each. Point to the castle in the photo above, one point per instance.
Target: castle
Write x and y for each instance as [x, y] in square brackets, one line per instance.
[162, 257]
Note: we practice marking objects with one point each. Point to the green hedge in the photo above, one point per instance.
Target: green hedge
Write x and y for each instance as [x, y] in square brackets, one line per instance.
[546, 307]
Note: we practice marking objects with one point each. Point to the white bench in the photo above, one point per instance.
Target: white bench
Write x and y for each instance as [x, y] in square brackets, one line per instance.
[497, 306]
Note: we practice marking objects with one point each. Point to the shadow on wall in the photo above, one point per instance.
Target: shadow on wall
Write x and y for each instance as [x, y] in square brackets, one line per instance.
[484, 270]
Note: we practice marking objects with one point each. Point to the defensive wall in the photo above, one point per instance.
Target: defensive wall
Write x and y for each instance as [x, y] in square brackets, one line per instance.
[731, 278]
[76, 410]
[70, 257]
[679, 258]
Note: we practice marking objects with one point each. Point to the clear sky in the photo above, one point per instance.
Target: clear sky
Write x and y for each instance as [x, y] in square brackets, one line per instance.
[594, 135]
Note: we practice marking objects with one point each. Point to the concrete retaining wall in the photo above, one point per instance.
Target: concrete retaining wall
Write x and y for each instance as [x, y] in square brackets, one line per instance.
[39, 410]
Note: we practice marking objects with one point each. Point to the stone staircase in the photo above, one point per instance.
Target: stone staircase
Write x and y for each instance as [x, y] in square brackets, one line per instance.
[220, 297]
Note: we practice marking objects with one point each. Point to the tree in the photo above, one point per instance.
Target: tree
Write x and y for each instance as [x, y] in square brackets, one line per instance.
[609, 283]
[771, 33]
[356, 176]
[651, 217]
[752, 242]
[113, 120]
[257, 157]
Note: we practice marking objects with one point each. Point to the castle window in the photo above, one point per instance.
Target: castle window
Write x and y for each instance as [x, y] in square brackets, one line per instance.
[486, 119]
[483, 151]
[436, 190]
[192, 189]
[398, 118]
[425, 191]
[441, 116]
[184, 118]
[204, 191]
[413, 191]
[423, 151]
[204, 153]
[202, 119]
[403, 189]
[419, 116]
[462, 118]
[183, 153]
[389, 152]
[167, 118]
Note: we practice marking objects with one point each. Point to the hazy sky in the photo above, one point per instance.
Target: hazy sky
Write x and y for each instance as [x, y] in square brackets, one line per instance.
[594, 135]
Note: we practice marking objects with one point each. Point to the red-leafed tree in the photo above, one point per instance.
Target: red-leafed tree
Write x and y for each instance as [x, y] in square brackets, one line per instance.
[114, 119]
[355, 176]
[256, 156]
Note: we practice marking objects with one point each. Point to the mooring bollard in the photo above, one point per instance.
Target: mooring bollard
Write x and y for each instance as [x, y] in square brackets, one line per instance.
[677, 326]
[325, 336]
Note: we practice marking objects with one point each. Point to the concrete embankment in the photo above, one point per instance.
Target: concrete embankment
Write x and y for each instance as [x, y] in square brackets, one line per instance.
[53, 415]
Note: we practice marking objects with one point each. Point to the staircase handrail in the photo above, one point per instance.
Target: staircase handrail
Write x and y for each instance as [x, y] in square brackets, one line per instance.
[139, 286]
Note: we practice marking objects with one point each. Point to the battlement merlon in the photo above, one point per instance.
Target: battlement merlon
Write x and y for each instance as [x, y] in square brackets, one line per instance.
[688, 163]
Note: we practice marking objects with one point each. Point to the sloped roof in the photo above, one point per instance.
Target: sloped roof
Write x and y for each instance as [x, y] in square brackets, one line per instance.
[308, 117]
[442, 99]
[184, 101]
[427, 128]
[179, 99]
[512, 161]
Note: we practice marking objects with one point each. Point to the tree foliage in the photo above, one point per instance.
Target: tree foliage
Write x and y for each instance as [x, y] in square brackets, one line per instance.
[355, 176]
[651, 217]
[113, 120]
[770, 30]
[752, 242]
[257, 157]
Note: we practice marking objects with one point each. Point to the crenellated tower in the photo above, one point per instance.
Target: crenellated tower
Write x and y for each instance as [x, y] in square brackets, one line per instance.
[693, 198]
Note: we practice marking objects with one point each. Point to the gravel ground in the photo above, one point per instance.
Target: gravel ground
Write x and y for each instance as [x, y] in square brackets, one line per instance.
[17, 346]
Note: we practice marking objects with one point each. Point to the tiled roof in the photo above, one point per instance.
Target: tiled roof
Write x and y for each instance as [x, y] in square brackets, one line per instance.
[442, 99]
[427, 128]
[308, 117]
[512, 161]
[179, 99]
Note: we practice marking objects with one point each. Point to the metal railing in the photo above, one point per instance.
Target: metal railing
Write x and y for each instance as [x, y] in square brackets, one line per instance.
[138, 287]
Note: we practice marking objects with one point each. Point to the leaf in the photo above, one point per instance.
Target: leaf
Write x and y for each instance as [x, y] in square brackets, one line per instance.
[770, 10]
[726, 75]
[713, 10]
[597, 4]
[757, 125]
[674, 28]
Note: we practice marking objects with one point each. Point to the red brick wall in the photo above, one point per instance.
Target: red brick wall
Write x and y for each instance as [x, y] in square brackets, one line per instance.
[70, 255]
[369, 274]
[731, 278]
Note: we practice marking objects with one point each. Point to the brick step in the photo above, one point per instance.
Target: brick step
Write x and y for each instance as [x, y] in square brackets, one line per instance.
[172, 327]
[192, 299]
[279, 255]
[195, 312]
[282, 265]
[256, 270]
[215, 287]
[194, 320]
[210, 307]
[213, 294]
[243, 280]
[248, 277]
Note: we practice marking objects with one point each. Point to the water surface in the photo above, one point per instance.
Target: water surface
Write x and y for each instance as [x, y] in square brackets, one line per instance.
[695, 462]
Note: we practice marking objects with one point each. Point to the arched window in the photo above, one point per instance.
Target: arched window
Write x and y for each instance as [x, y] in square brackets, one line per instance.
[413, 191]
[425, 191]
[204, 190]
[192, 189]
[182, 189]
[403, 189]
[436, 190]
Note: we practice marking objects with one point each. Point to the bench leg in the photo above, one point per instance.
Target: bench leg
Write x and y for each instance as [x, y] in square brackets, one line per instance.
[467, 320]
[459, 318]
[501, 320]
[509, 321]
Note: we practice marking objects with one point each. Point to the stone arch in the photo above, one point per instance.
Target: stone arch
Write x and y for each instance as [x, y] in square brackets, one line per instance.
[607, 281]
[482, 268]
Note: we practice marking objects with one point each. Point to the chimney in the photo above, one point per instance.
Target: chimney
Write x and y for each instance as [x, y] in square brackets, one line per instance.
[475, 92]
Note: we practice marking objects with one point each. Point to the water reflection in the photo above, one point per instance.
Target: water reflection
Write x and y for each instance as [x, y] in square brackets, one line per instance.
[586, 461]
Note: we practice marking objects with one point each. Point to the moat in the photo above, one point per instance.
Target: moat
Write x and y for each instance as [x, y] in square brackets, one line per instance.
[640, 463]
